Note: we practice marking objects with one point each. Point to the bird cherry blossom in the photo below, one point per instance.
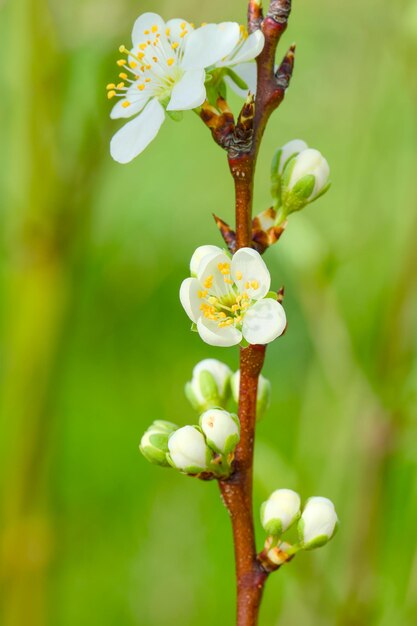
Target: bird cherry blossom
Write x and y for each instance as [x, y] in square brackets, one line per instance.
[227, 299]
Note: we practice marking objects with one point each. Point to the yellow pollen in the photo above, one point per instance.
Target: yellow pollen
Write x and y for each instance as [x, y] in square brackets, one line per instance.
[171, 61]
[167, 32]
[154, 28]
[202, 294]
[148, 67]
[111, 86]
[147, 80]
[247, 284]
[212, 300]
[234, 307]
[122, 48]
[143, 46]
[224, 268]
[140, 56]
[111, 94]
[239, 275]
[141, 87]
[228, 281]
[183, 25]
[121, 62]
[208, 283]
[123, 75]
[175, 45]
[184, 32]
[133, 64]
[146, 32]
[120, 85]
[222, 315]
[126, 104]
[155, 59]
[227, 322]
[254, 284]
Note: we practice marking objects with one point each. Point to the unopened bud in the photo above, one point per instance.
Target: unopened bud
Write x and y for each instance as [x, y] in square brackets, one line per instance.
[209, 386]
[318, 523]
[305, 178]
[221, 429]
[280, 511]
[279, 161]
[188, 450]
[154, 443]
[263, 398]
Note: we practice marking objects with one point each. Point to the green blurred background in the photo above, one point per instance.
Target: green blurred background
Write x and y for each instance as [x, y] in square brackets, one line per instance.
[95, 345]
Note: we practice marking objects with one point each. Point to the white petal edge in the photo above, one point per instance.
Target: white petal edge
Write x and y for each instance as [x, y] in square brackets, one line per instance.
[135, 107]
[249, 263]
[264, 322]
[208, 44]
[248, 73]
[137, 134]
[145, 22]
[199, 254]
[249, 50]
[189, 92]
[189, 298]
[210, 333]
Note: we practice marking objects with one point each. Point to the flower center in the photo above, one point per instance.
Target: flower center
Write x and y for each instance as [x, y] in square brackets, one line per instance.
[152, 67]
[228, 308]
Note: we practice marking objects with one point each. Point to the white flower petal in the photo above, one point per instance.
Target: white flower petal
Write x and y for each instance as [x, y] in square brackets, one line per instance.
[137, 103]
[250, 273]
[137, 134]
[210, 332]
[264, 322]
[189, 298]
[248, 73]
[189, 92]
[248, 51]
[209, 267]
[145, 22]
[176, 29]
[209, 44]
[198, 255]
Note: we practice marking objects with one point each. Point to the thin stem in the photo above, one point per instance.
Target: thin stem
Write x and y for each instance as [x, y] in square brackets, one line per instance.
[237, 490]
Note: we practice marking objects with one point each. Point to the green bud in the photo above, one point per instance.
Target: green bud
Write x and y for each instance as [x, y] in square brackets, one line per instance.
[154, 443]
[210, 385]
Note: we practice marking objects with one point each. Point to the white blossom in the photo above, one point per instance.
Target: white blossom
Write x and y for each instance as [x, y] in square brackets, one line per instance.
[318, 522]
[221, 429]
[306, 177]
[227, 300]
[280, 511]
[188, 450]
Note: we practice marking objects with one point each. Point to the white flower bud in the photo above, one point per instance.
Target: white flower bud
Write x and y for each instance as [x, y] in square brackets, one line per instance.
[209, 386]
[263, 398]
[286, 152]
[318, 522]
[154, 443]
[200, 253]
[221, 429]
[188, 450]
[306, 177]
[280, 511]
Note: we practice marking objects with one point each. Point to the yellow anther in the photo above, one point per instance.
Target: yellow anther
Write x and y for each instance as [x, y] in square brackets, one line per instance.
[111, 94]
[208, 283]
[132, 64]
[234, 307]
[148, 67]
[227, 322]
[184, 32]
[141, 87]
[201, 294]
[228, 281]
[175, 45]
[126, 104]
[255, 284]
[183, 25]
[168, 32]
[143, 46]
[247, 285]
[155, 59]
[239, 275]
[222, 315]
[120, 85]
[122, 48]
[140, 56]
[111, 86]
[146, 32]
[171, 61]
[121, 62]
[154, 28]
[192, 24]
[224, 268]
[123, 75]
[147, 80]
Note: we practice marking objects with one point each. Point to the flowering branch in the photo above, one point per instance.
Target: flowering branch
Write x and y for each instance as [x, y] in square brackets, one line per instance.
[174, 67]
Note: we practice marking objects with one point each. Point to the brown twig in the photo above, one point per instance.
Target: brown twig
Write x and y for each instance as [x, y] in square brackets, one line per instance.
[242, 144]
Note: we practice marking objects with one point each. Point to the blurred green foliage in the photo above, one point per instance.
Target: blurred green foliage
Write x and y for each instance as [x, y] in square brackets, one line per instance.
[94, 344]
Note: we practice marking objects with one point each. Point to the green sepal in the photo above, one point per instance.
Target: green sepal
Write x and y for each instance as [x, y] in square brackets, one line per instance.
[236, 79]
[208, 387]
[318, 542]
[154, 456]
[165, 426]
[272, 294]
[191, 397]
[244, 343]
[274, 526]
[231, 443]
[177, 116]
[194, 328]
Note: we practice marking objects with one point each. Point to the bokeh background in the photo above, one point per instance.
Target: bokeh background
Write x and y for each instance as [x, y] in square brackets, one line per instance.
[94, 343]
